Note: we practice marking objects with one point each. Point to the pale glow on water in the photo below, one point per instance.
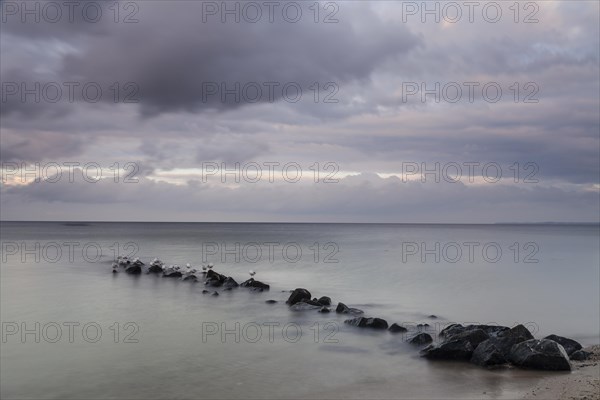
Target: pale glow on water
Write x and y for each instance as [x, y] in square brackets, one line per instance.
[558, 294]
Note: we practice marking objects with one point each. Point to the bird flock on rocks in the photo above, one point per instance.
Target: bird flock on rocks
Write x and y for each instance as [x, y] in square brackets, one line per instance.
[484, 345]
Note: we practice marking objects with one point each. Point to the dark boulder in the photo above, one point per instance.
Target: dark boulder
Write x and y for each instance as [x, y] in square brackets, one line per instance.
[133, 269]
[214, 278]
[326, 301]
[229, 282]
[271, 301]
[298, 295]
[474, 337]
[395, 328]
[362, 322]
[569, 345]
[215, 294]
[486, 354]
[155, 269]
[492, 330]
[580, 355]
[432, 316]
[449, 350]
[421, 339]
[344, 309]
[190, 277]
[542, 354]
[255, 285]
[324, 310]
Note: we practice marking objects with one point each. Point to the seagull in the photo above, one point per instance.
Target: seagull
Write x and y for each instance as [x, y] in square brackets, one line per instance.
[252, 273]
[210, 266]
[204, 268]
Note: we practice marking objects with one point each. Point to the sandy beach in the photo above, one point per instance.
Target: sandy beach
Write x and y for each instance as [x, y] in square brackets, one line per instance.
[582, 384]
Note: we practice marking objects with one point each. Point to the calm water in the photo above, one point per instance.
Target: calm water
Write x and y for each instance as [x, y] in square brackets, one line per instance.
[163, 338]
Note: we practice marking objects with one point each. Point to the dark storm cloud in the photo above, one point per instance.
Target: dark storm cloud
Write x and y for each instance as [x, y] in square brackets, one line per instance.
[177, 65]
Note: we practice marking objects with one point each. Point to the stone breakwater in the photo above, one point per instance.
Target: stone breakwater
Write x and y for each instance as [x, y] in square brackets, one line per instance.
[489, 346]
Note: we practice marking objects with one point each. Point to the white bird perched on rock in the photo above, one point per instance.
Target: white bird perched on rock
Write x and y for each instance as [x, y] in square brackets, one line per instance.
[252, 273]
[204, 267]
[210, 266]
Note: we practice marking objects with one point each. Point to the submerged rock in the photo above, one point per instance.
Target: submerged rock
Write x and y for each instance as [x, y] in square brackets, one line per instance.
[421, 339]
[486, 354]
[395, 328]
[229, 283]
[541, 354]
[324, 310]
[255, 285]
[271, 301]
[344, 309]
[302, 306]
[449, 350]
[580, 355]
[362, 322]
[492, 330]
[324, 300]
[570, 345]
[298, 295]
[133, 269]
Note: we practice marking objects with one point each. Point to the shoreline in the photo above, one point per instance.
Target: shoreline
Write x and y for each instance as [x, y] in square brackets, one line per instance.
[583, 383]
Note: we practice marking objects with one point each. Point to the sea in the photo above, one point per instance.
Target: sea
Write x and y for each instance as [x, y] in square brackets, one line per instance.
[73, 329]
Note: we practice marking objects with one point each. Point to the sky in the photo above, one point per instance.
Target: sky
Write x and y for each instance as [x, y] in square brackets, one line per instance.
[331, 111]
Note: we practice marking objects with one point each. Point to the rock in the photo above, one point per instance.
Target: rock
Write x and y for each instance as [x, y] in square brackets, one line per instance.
[324, 310]
[432, 316]
[422, 326]
[492, 330]
[255, 285]
[271, 301]
[449, 350]
[229, 282]
[228, 289]
[155, 269]
[205, 291]
[324, 300]
[395, 328]
[190, 277]
[362, 322]
[569, 345]
[172, 272]
[215, 294]
[302, 306]
[214, 279]
[542, 354]
[133, 269]
[474, 337]
[580, 355]
[507, 339]
[344, 309]
[487, 354]
[298, 295]
[421, 339]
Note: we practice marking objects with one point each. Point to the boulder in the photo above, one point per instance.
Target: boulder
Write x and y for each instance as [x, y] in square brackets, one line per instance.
[474, 337]
[432, 316]
[492, 330]
[214, 278]
[421, 339]
[190, 277]
[133, 269]
[569, 345]
[580, 355]
[271, 301]
[229, 282]
[362, 322]
[541, 354]
[449, 350]
[298, 295]
[255, 285]
[215, 294]
[155, 269]
[395, 328]
[326, 301]
[486, 354]
[344, 309]
[505, 340]
[324, 310]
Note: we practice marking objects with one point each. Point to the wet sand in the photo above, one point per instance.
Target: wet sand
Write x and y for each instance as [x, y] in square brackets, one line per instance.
[582, 384]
